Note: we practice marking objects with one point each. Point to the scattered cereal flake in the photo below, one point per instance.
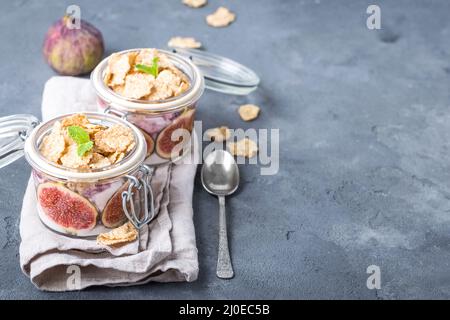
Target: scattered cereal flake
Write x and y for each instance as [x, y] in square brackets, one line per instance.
[138, 85]
[222, 17]
[184, 42]
[248, 112]
[121, 235]
[116, 138]
[78, 119]
[219, 134]
[98, 161]
[119, 65]
[195, 3]
[53, 146]
[244, 148]
[71, 159]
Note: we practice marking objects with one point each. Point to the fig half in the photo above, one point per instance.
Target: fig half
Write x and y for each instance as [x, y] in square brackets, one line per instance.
[150, 143]
[66, 208]
[164, 142]
[113, 214]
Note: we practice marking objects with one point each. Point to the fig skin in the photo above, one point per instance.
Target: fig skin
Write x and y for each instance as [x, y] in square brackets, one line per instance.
[113, 214]
[185, 121]
[73, 52]
[66, 208]
[150, 143]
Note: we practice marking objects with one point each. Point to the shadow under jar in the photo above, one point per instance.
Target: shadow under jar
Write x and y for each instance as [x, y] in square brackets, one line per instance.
[82, 203]
[160, 119]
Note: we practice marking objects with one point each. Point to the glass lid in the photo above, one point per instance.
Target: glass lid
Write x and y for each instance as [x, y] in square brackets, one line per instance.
[14, 130]
[220, 73]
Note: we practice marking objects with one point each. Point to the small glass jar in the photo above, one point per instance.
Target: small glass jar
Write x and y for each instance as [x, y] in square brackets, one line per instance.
[80, 203]
[159, 119]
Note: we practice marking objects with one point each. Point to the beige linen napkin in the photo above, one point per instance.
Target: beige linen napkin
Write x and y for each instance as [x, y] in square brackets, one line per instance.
[166, 250]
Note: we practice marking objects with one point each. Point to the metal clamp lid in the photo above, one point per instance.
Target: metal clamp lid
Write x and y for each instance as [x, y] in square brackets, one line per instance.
[146, 208]
[220, 73]
[14, 130]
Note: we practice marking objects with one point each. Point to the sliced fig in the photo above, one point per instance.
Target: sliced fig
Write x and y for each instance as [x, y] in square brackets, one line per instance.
[113, 215]
[164, 143]
[150, 143]
[66, 208]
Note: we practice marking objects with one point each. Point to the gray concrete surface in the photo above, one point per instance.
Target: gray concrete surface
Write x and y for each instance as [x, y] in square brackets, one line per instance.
[364, 122]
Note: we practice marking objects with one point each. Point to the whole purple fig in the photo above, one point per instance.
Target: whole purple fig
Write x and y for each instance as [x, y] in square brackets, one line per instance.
[73, 51]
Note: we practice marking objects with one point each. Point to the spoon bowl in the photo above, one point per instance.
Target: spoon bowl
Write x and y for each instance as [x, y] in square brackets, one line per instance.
[220, 173]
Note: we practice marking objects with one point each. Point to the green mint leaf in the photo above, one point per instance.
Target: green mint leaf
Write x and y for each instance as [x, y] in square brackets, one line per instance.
[153, 69]
[144, 68]
[84, 147]
[81, 138]
[78, 134]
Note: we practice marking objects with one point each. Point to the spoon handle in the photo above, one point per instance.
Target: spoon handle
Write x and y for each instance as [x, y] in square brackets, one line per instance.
[224, 267]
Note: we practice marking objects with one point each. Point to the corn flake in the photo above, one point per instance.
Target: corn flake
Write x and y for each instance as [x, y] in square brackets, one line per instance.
[118, 236]
[184, 42]
[78, 119]
[116, 157]
[98, 161]
[137, 85]
[71, 159]
[92, 128]
[244, 148]
[222, 17]
[146, 57]
[116, 138]
[53, 146]
[219, 134]
[248, 112]
[110, 144]
[195, 3]
[119, 65]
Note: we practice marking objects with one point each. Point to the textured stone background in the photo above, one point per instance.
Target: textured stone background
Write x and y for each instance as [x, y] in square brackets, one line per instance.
[365, 124]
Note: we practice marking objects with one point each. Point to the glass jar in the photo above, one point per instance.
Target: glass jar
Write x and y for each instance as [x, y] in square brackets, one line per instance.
[159, 119]
[75, 202]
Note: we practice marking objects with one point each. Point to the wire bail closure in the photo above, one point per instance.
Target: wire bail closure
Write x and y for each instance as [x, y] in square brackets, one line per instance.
[111, 110]
[141, 184]
[14, 130]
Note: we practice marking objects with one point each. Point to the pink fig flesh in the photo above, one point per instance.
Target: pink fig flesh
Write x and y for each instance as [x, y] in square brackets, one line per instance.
[113, 214]
[66, 208]
[164, 143]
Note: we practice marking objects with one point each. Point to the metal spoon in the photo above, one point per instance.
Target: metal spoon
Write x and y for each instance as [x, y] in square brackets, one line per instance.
[220, 177]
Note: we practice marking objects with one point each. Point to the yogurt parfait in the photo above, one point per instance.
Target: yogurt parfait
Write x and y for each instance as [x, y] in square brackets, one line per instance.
[155, 90]
[87, 170]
